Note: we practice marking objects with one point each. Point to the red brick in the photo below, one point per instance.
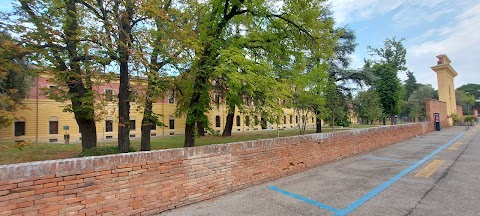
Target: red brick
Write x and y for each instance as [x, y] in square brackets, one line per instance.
[25, 184]
[50, 180]
[9, 197]
[49, 200]
[70, 182]
[49, 185]
[122, 170]
[4, 192]
[48, 190]
[7, 187]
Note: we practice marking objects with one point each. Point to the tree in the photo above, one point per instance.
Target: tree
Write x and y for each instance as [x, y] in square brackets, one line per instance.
[60, 37]
[466, 100]
[410, 85]
[15, 77]
[473, 89]
[387, 88]
[368, 107]
[296, 21]
[391, 61]
[416, 101]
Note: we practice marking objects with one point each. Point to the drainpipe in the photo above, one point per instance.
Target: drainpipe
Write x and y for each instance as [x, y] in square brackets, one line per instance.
[36, 124]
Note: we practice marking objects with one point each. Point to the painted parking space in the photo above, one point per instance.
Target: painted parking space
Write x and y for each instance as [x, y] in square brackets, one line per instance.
[381, 182]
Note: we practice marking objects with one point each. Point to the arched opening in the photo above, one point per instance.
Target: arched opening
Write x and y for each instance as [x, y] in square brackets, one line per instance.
[238, 121]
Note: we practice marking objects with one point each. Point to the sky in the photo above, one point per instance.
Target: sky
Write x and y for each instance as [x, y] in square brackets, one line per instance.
[430, 27]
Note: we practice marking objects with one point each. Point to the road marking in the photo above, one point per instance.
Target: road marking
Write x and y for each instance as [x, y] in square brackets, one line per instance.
[429, 169]
[455, 146]
[321, 205]
[386, 159]
[373, 193]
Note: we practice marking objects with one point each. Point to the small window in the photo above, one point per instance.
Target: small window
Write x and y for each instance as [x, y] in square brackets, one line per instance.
[108, 95]
[238, 120]
[296, 119]
[20, 128]
[53, 125]
[247, 121]
[313, 120]
[108, 125]
[171, 97]
[154, 126]
[291, 120]
[217, 121]
[132, 125]
[172, 123]
[217, 99]
[256, 120]
[284, 119]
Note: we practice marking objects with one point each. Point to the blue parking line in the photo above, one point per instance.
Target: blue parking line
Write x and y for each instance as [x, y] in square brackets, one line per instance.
[387, 159]
[359, 202]
[350, 208]
[321, 205]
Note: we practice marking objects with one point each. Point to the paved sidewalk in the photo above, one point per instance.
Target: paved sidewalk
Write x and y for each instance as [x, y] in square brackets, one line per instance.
[434, 174]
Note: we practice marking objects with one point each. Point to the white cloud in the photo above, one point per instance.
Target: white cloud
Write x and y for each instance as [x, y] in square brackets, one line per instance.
[354, 10]
[459, 39]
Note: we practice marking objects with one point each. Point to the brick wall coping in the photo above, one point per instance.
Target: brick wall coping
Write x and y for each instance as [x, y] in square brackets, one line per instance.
[73, 166]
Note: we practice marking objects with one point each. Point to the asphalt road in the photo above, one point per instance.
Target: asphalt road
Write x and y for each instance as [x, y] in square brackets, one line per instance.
[434, 174]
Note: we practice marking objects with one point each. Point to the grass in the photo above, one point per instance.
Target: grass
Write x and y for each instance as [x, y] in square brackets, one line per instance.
[10, 154]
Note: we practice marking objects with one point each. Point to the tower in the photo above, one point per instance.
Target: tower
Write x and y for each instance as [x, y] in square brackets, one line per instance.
[446, 90]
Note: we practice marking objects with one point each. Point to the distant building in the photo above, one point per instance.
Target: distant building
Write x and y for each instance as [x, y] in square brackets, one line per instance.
[43, 119]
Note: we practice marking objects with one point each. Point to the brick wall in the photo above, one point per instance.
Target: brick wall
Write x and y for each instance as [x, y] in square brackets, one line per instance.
[436, 106]
[460, 111]
[152, 182]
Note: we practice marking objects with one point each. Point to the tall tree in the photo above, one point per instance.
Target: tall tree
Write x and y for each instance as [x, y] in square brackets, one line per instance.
[388, 87]
[410, 85]
[296, 19]
[61, 37]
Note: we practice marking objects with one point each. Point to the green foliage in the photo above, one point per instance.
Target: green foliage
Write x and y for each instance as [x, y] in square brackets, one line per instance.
[470, 118]
[103, 150]
[387, 88]
[466, 100]
[416, 101]
[410, 85]
[367, 106]
[15, 78]
[456, 117]
[473, 89]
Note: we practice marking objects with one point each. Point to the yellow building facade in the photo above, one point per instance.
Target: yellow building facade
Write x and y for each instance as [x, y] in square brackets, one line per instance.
[43, 120]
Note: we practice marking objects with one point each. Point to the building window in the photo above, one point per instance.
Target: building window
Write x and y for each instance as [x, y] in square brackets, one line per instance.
[290, 119]
[53, 125]
[247, 121]
[108, 125]
[217, 99]
[296, 119]
[284, 119]
[172, 123]
[313, 121]
[217, 121]
[256, 120]
[20, 128]
[132, 125]
[108, 95]
[238, 120]
[171, 97]
[154, 126]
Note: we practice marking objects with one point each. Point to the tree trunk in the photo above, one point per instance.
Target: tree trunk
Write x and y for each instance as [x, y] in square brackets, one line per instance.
[89, 133]
[82, 103]
[200, 129]
[227, 131]
[124, 38]
[384, 119]
[189, 139]
[146, 126]
[318, 122]
[392, 120]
